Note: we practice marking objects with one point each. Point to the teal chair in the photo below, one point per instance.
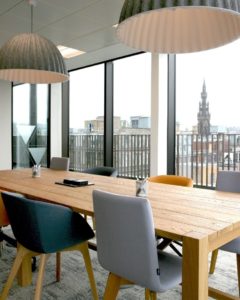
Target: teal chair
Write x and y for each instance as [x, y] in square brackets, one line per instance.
[41, 229]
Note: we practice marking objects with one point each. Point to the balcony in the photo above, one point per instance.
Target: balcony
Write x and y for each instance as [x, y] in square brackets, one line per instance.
[198, 157]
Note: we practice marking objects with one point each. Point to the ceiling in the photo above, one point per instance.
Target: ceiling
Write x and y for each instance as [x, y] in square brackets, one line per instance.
[85, 25]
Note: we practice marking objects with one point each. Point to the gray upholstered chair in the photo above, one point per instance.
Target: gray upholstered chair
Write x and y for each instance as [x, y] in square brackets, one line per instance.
[103, 171]
[60, 163]
[127, 245]
[228, 181]
[43, 228]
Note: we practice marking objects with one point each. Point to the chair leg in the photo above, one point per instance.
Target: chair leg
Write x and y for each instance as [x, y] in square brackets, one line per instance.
[83, 247]
[213, 261]
[112, 287]
[21, 253]
[1, 248]
[165, 243]
[150, 295]
[58, 266]
[238, 272]
[42, 265]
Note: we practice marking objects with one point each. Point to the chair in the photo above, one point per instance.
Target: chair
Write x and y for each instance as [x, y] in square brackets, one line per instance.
[104, 171]
[127, 248]
[4, 221]
[42, 228]
[60, 163]
[228, 181]
[172, 180]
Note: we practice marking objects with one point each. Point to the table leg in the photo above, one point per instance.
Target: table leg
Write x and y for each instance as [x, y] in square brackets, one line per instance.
[195, 267]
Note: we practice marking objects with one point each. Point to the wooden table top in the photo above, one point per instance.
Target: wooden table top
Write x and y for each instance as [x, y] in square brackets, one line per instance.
[177, 211]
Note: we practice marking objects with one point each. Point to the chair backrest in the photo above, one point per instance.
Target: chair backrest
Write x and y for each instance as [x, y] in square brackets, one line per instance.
[126, 244]
[60, 163]
[44, 227]
[172, 179]
[104, 171]
[228, 181]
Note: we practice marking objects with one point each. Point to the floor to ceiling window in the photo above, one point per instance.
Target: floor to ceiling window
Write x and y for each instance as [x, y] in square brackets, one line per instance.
[132, 115]
[207, 113]
[30, 125]
[86, 105]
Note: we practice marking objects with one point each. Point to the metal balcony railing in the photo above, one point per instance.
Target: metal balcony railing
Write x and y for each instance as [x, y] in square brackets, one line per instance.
[131, 153]
[196, 156]
[200, 157]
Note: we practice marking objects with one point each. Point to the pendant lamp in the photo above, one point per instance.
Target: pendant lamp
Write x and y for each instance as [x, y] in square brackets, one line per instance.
[180, 26]
[31, 58]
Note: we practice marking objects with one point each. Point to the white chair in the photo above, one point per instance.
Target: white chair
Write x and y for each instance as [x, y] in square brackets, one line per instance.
[127, 246]
[60, 163]
[228, 181]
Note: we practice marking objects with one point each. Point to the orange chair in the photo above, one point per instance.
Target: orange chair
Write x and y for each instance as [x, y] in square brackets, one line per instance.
[4, 222]
[3, 214]
[173, 180]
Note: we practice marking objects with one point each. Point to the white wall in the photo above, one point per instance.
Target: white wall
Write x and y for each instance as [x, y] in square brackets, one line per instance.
[56, 120]
[5, 125]
[158, 115]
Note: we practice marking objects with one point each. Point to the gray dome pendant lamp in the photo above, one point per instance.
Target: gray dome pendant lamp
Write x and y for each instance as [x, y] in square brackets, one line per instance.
[31, 58]
[178, 26]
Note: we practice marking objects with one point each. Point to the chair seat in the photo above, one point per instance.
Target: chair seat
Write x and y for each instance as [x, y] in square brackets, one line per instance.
[169, 264]
[233, 246]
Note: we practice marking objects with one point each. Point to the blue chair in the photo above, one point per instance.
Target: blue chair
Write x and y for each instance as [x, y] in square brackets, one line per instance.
[41, 229]
[102, 170]
[127, 246]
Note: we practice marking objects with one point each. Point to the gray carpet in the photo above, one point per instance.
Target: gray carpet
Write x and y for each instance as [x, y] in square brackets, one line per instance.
[74, 283]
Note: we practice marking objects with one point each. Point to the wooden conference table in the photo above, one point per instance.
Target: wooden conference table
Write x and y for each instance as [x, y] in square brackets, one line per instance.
[202, 219]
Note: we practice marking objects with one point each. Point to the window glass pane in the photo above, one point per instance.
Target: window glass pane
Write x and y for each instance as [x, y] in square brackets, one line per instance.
[30, 126]
[132, 110]
[208, 124]
[86, 117]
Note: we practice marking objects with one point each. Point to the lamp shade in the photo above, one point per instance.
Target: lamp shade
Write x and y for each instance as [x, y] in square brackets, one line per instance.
[31, 58]
[178, 26]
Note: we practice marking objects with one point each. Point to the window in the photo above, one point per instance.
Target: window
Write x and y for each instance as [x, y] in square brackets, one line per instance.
[30, 125]
[132, 110]
[207, 114]
[86, 130]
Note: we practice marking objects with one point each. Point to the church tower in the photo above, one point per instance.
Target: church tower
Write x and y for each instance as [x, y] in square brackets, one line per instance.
[203, 114]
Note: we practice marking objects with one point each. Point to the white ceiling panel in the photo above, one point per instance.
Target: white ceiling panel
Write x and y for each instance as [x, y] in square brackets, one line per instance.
[71, 5]
[6, 5]
[81, 24]
[57, 36]
[105, 11]
[97, 40]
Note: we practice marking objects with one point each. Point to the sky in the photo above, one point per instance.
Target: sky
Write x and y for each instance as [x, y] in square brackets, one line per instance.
[131, 90]
[220, 68]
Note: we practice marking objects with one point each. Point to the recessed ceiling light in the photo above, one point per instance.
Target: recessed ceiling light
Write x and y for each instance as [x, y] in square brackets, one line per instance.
[69, 52]
[115, 25]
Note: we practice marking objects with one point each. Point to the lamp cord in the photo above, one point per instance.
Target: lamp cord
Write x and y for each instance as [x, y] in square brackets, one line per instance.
[31, 18]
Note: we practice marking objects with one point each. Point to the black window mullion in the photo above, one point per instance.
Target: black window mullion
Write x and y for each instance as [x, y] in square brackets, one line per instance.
[108, 114]
[171, 118]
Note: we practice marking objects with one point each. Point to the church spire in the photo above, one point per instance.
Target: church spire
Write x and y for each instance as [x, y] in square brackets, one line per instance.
[203, 114]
